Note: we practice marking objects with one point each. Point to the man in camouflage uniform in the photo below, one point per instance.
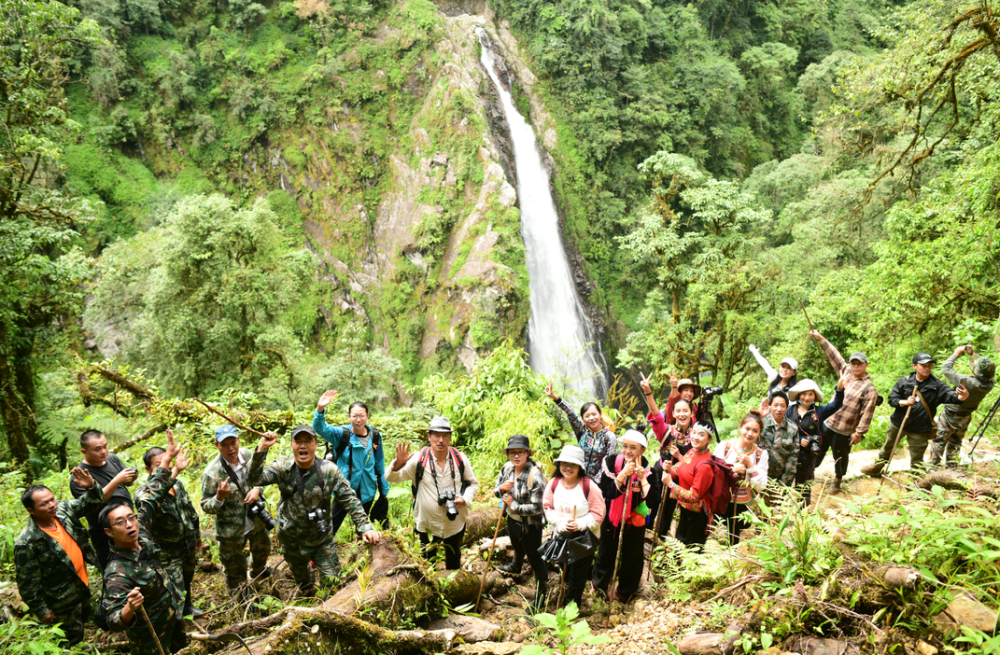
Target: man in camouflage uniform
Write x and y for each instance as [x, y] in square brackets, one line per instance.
[51, 555]
[951, 425]
[135, 577]
[175, 527]
[306, 485]
[227, 496]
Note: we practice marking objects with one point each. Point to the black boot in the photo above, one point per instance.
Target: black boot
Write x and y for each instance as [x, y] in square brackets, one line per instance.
[514, 567]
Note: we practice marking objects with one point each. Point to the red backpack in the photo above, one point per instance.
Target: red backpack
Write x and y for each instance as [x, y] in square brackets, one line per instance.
[724, 484]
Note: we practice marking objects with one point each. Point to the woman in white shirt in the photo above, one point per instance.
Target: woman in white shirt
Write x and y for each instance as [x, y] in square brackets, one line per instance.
[749, 462]
[573, 503]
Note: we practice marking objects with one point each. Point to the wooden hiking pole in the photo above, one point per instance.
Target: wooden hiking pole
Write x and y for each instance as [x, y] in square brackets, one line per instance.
[232, 421]
[621, 536]
[489, 558]
[149, 624]
[822, 354]
[656, 529]
[895, 443]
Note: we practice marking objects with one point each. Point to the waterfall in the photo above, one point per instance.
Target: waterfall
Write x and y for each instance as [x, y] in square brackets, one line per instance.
[560, 336]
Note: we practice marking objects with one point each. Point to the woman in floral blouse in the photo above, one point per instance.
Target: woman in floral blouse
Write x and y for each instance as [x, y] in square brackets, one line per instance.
[749, 462]
[596, 440]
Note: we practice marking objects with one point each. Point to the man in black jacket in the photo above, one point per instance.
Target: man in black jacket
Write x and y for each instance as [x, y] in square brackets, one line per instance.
[922, 406]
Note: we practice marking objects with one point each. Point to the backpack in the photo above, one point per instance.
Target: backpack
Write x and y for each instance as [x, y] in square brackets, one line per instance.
[724, 484]
[424, 459]
[585, 481]
[531, 472]
[345, 441]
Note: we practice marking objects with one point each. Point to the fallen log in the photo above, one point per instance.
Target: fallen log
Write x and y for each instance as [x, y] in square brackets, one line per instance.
[481, 523]
[817, 646]
[957, 481]
[300, 628]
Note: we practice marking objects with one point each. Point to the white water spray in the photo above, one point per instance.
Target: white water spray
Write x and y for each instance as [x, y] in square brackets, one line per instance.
[560, 337]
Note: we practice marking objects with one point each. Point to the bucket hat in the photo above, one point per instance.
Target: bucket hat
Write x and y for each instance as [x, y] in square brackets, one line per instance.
[805, 385]
[688, 382]
[518, 442]
[570, 455]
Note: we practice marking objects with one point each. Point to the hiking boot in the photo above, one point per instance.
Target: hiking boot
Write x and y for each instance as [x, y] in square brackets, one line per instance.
[191, 610]
[835, 489]
[875, 468]
[514, 568]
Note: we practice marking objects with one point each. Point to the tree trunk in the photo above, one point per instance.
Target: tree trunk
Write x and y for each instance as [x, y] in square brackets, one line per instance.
[482, 523]
[957, 481]
[18, 416]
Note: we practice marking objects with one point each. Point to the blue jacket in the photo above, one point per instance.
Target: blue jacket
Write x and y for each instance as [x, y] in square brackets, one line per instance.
[366, 462]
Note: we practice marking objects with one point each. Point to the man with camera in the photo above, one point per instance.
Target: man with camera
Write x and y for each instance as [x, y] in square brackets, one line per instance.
[110, 473]
[951, 425]
[442, 503]
[307, 484]
[174, 526]
[240, 513]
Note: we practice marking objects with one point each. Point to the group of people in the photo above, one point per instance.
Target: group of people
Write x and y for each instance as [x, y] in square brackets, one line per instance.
[603, 496]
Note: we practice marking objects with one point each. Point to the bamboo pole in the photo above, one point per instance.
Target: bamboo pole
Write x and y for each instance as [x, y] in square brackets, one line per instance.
[895, 443]
[489, 558]
[149, 624]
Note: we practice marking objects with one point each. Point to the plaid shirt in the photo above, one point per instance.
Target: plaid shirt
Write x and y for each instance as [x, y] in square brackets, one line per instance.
[855, 415]
[527, 504]
[595, 446]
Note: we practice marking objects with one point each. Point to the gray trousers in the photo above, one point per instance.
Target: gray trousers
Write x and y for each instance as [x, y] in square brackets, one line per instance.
[915, 441]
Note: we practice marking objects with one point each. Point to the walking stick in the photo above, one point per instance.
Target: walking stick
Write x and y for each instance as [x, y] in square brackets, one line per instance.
[489, 558]
[896, 442]
[621, 537]
[233, 421]
[656, 529]
[822, 354]
[149, 624]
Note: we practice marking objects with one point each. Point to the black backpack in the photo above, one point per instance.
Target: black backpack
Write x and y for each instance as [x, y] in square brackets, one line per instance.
[345, 441]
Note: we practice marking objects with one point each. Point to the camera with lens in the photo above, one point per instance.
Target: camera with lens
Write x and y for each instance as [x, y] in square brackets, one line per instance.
[259, 510]
[320, 518]
[708, 393]
[447, 498]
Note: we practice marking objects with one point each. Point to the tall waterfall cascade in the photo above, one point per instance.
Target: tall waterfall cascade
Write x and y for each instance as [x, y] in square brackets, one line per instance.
[560, 336]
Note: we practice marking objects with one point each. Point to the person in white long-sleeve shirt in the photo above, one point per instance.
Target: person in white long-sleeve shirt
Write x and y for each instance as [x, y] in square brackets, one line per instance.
[438, 471]
[573, 503]
[784, 378]
[749, 462]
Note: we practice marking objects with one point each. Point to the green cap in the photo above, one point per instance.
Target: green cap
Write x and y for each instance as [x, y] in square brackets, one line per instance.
[984, 368]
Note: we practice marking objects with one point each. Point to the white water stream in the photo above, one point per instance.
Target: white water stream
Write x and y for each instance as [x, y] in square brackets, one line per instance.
[560, 341]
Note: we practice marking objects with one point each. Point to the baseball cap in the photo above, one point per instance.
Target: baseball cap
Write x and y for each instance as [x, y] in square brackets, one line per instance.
[923, 358]
[440, 424]
[300, 429]
[223, 432]
[792, 363]
[858, 356]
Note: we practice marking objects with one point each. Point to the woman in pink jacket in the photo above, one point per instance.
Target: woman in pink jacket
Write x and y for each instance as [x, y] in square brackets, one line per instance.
[573, 503]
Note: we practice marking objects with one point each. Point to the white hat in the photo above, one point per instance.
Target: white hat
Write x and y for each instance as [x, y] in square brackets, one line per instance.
[635, 437]
[570, 455]
[791, 362]
[805, 385]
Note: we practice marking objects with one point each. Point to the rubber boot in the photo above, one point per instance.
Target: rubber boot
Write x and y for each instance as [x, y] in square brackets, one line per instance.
[514, 567]
[835, 489]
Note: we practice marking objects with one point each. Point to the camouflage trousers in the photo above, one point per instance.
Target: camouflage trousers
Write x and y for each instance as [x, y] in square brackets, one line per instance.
[73, 620]
[948, 435]
[323, 556]
[180, 565]
[169, 631]
[234, 559]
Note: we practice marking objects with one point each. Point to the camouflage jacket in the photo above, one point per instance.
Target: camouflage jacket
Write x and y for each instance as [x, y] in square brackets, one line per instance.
[173, 523]
[163, 598]
[318, 484]
[230, 514]
[782, 446]
[46, 578]
[127, 569]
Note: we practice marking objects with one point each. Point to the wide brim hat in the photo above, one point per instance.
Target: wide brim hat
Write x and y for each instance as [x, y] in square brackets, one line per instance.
[570, 455]
[518, 442]
[688, 382]
[805, 385]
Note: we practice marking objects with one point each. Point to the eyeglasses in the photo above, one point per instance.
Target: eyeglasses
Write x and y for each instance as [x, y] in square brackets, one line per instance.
[358, 417]
[125, 521]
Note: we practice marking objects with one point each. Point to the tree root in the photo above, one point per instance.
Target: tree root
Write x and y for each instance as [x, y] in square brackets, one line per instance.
[957, 481]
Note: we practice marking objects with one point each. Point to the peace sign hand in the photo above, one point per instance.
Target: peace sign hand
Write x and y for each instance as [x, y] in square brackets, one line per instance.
[644, 385]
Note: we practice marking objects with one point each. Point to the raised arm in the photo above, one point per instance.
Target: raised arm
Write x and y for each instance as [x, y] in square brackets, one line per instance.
[764, 364]
[836, 360]
[259, 474]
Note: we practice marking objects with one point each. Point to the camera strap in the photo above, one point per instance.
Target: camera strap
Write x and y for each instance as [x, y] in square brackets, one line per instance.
[451, 468]
[300, 482]
[232, 475]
